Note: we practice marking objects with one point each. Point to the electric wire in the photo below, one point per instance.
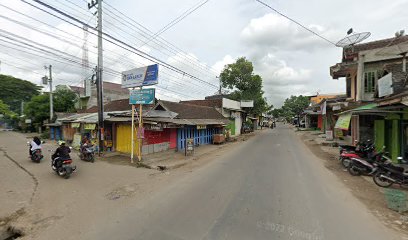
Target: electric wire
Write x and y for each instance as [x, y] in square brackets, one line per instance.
[296, 22]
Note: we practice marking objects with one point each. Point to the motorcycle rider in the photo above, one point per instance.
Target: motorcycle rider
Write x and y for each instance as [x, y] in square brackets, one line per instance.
[34, 145]
[61, 153]
[86, 143]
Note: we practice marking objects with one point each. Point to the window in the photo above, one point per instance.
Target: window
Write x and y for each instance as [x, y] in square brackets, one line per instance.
[369, 82]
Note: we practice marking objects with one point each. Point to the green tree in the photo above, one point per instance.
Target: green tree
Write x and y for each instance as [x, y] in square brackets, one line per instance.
[64, 100]
[294, 106]
[15, 90]
[244, 84]
[38, 109]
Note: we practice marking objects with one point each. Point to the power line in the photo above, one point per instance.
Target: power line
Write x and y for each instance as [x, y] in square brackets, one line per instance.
[296, 22]
[76, 63]
[115, 41]
[146, 31]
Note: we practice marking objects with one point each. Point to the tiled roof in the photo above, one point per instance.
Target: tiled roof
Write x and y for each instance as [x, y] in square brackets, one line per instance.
[189, 111]
[116, 87]
[116, 105]
[380, 43]
[208, 102]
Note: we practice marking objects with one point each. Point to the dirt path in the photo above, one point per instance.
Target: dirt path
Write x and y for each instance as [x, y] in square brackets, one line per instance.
[362, 187]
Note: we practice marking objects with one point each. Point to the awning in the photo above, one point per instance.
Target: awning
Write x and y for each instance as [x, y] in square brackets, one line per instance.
[344, 121]
[373, 109]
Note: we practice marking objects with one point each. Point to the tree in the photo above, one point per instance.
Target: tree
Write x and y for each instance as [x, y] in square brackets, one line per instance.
[38, 109]
[292, 107]
[245, 85]
[64, 100]
[15, 90]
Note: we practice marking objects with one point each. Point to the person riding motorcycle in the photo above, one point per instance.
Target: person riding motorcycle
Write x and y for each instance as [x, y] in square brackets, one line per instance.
[35, 144]
[61, 153]
[86, 143]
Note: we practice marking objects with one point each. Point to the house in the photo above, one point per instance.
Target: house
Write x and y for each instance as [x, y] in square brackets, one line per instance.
[88, 99]
[228, 108]
[166, 125]
[376, 78]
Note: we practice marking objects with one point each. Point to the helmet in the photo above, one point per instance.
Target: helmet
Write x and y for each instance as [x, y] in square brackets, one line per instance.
[61, 143]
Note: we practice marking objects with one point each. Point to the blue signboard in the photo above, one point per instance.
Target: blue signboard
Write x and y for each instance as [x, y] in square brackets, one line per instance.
[139, 77]
[142, 96]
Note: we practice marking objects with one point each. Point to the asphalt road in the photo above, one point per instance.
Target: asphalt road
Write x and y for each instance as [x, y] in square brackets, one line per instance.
[271, 187]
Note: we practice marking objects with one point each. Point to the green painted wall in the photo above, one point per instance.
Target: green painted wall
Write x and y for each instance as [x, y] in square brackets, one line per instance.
[379, 131]
[231, 126]
[395, 143]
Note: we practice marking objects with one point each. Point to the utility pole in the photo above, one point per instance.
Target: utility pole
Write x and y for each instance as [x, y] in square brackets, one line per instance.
[99, 82]
[49, 81]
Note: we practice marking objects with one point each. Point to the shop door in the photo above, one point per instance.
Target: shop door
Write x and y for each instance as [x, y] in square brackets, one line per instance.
[123, 139]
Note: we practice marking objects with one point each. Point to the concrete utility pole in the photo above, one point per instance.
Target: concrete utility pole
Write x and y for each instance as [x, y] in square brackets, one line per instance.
[51, 103]
[48, 80]
[99, 77]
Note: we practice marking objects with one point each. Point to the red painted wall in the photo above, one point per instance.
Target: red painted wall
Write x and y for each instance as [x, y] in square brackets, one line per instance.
[173, 138]
[320, 122]
[154, 137]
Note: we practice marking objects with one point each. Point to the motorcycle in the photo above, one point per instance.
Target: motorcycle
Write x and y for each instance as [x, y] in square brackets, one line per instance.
[35, 155]
[63, 167]
[362, 151]
[368, 166]
[389, 173]
[87, 154]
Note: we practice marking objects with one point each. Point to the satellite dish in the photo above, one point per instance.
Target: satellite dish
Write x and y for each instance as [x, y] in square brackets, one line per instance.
[352, 39]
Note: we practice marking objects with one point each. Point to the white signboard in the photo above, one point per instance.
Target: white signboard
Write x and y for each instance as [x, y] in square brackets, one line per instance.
[139, 77]
[385, 85]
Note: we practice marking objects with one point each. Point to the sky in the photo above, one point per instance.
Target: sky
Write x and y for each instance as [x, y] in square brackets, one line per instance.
[290, 60]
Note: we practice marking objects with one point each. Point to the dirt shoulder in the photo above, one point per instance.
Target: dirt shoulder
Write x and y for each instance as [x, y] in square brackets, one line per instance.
[65, 209]
[362, 188]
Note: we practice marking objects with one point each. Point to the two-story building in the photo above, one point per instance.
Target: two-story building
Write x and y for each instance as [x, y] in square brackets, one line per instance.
[376, 79]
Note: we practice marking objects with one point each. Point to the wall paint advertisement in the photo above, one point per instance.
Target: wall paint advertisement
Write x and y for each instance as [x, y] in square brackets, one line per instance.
[139, 77]
[142, 96]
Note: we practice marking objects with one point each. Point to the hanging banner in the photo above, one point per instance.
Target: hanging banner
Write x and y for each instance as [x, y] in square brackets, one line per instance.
[385, 87]
[323, 108]
[75, 125]
[89, 126]
[343, 122]
[142, 96]
[139, 77]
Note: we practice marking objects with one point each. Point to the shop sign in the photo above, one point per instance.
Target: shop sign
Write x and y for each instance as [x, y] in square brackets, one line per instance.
[343, 122]
[336, 107]
[189, 146]
[139, 77]
[201, 127]
[157, 127]
[89, 126]
[142, 96]
[75, 125]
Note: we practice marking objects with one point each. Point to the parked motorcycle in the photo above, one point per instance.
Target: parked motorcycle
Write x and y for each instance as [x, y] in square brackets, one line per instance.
[367, 166]
[389, 173]
[361, 151]
[87, 154]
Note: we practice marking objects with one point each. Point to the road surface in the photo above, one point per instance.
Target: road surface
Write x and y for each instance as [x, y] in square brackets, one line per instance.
[271, 187]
